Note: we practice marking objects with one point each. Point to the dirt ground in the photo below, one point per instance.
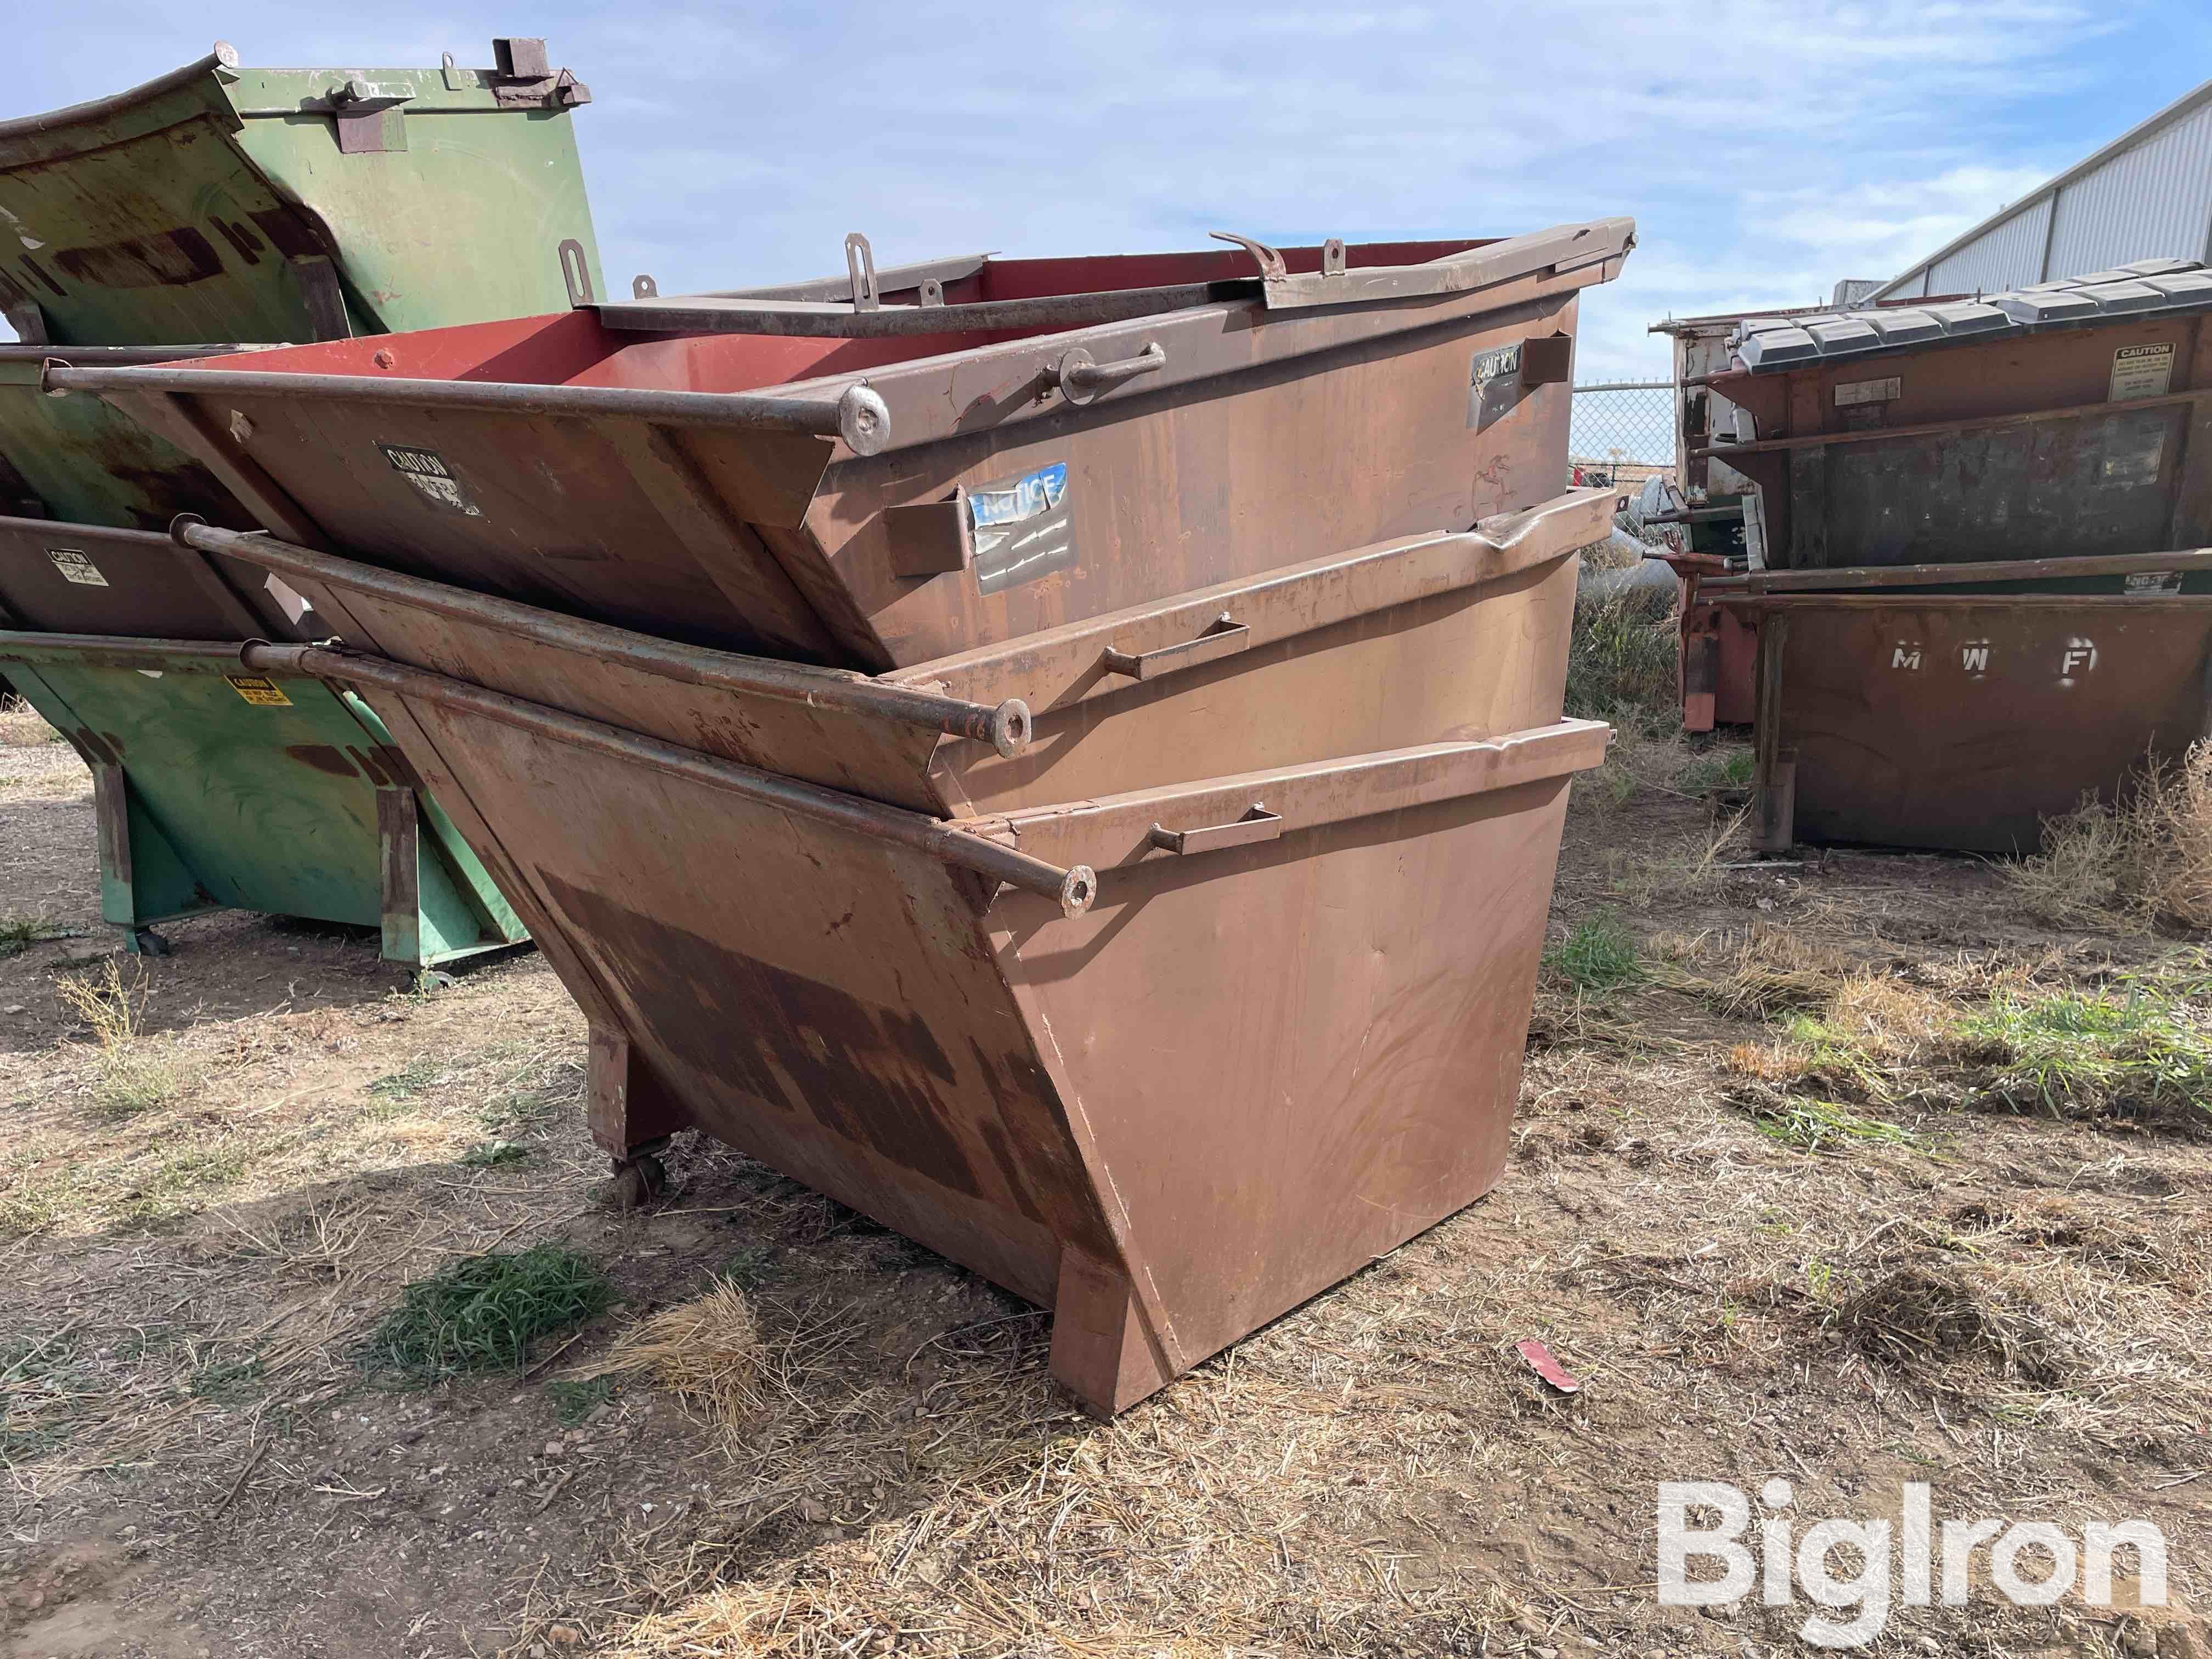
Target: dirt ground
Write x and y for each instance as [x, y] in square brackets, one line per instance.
[1775, 1219]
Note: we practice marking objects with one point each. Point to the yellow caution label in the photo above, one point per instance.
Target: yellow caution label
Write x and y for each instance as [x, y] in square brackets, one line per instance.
[262, 693]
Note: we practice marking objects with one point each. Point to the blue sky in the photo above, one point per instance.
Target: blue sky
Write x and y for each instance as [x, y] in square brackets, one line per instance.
[1765, 149]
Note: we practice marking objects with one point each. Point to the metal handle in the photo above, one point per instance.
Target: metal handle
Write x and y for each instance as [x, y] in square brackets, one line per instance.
[1073, 887]
[1225, 639]
[1257, 824]
[1082, 378]
[1005, 726]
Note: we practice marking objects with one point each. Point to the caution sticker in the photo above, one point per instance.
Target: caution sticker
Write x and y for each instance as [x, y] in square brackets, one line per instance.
[261, 692]
[2142, 371]
[2153, 581]
[428, 471]
[75, 567]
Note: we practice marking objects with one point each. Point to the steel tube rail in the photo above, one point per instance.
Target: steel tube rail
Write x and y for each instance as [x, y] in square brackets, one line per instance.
[1072, 888]
[116, 356]
[857, 414]
[186, 656]
[1005, 727]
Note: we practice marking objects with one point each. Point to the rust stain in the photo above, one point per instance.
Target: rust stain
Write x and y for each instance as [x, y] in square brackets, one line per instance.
[872, 1075]
[323, 757]
[168, 259]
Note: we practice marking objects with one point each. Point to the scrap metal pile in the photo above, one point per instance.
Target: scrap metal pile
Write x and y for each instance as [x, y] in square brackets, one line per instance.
[1063, 755]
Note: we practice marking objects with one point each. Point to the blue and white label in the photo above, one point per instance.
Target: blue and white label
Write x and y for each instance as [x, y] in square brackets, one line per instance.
[1023, 527]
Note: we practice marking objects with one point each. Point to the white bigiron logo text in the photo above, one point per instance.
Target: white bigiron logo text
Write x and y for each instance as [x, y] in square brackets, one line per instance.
[2030, 1563]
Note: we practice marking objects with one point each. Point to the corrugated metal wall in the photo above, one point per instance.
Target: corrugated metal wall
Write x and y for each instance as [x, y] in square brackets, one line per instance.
[2154, 202]
[2004, 256]
[2151, 198]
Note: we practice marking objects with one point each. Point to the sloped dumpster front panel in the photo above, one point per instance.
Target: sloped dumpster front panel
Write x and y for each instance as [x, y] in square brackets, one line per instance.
[677, 487]
[1294, 1054]
[1959, 722]
[1462, 635]
[824, 1001]
[1167, 1118]
[221, 203]
[78, 460]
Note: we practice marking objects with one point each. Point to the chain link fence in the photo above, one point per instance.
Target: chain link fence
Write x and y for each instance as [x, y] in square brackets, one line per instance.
[1623, 429]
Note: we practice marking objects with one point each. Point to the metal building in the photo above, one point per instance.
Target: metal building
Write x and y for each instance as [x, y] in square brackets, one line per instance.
[2146, 195]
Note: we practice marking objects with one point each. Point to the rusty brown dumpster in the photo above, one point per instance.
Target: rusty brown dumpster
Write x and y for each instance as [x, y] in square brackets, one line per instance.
[1942, 706]
[878, 485]
[1165, 1041]
[1948, 496]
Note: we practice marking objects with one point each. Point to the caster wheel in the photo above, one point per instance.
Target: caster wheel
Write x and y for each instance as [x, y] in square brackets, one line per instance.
[637, 1183]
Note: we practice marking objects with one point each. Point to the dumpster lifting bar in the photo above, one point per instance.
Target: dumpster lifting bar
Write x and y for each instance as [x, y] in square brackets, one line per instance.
[1004, 727]
[857, 414]
[1072, 888]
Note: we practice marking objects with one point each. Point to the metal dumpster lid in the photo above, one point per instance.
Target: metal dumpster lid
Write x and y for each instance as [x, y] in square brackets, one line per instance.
[202, 203]
[1776, 343]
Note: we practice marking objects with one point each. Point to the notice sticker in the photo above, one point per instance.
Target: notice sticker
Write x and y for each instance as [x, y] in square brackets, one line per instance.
[2153, 581]
[429, 474]
[1870, 392]
[2142, 371]
[1023, 528]
[260, 692]
[75, 567]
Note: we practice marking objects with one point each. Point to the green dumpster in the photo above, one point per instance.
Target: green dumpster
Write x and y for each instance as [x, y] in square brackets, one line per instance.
[290, 205]
[214, 788]
[222, 203]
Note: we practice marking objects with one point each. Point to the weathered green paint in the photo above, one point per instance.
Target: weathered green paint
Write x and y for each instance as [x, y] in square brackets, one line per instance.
[282, 809]
[216, 204]
[82, 459]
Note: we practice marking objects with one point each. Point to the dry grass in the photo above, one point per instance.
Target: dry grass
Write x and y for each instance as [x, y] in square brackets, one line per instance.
[1621, 660]
[1918, 1316]
[706, 1351]
[21, 727]
[2146, 861]
[131, 1074]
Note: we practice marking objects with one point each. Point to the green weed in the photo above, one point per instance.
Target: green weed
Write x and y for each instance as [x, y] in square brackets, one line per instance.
[131, 1077]
[1600, 955]
[483, 1312]
[1621, 659]
[1710, 773]
[18, 933]
[2143, 1054]
[1822, 1126]
[493, 1153]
